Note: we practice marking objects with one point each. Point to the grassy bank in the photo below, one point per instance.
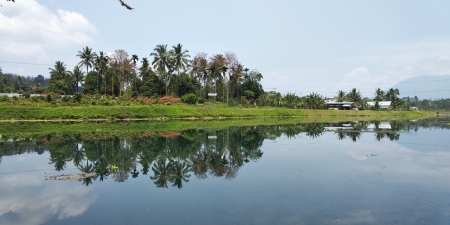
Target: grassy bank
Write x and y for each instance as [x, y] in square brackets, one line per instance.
[181, 111]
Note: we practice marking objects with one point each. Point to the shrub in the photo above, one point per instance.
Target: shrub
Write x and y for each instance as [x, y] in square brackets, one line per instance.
[189, 98]
[77, 97]
[35, 99]
[233, 102]
[48, 97]
[66, 98]
[4, 98]
[201, 100]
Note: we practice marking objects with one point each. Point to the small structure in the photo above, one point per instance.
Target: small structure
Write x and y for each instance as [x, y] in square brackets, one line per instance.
[339, 105]
[382, 104]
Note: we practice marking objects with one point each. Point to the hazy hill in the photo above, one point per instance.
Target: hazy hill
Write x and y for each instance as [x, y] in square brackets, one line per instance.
[425, 87]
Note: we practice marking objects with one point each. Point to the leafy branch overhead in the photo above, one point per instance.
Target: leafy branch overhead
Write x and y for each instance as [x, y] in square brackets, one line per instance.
[121, 2]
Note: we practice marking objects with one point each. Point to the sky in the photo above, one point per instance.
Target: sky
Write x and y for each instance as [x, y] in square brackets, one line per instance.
[300, 47]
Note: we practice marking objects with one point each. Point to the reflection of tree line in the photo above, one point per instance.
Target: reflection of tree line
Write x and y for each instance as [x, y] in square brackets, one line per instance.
[437, 122]
[380, 132]
[171, 157]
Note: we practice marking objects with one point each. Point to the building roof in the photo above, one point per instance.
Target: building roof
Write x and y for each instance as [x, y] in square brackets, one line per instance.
[338, 103]
[382, 103]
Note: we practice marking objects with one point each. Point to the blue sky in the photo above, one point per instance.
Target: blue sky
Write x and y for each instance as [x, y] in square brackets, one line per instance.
[298, 46]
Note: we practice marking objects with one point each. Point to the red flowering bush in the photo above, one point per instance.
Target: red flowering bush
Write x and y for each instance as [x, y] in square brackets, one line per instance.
[166, 99]
[147, 101]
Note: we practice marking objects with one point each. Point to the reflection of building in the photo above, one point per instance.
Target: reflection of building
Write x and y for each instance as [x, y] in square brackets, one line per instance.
[339, 105]
[339, 126]
[381, 126]
[382, 104]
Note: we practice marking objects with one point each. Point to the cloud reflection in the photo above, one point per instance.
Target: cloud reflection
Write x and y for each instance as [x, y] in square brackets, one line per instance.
[27, 199]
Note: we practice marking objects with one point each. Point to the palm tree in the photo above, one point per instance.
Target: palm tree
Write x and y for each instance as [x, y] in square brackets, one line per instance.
[354, 96]
[216, 65]
[87, 59]
[78, 75]
[59, 78]
[340, 96]
[379, 96]
[101, 65]
[135, 59]
[391, 95]
[180, 57]
[199, 69]
[162, 62]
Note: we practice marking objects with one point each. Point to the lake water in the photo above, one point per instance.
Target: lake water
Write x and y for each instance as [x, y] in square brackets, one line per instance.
[394, 172]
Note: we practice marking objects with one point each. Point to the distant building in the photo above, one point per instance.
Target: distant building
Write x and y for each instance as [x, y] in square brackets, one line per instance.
[339, 105]
[382, 104]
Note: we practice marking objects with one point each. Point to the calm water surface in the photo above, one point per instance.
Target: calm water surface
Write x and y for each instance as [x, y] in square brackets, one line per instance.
[347, 173]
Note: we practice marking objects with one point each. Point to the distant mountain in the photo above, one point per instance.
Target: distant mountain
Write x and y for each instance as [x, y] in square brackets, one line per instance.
[425, 87]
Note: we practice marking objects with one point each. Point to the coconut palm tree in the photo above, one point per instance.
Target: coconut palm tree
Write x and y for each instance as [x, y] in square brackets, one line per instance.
[60, 78]
[199, 69]
[354, 96]
[87, 59]
[181, 58]
[216, 65]
[340, 96]
[101, 65]
[135, 59]
[379, 96]
[78, 75]
[162, 63]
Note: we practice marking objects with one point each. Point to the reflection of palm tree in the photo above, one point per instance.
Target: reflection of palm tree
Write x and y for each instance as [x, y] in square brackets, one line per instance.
[78, 156]
[134, 173]
[354, 135]
[179, 173]
[218, 164]
[341, 135]
[314, 130]
[379, 136]
[161, 173]
[87, 170]
[200, 165]
[101, 168]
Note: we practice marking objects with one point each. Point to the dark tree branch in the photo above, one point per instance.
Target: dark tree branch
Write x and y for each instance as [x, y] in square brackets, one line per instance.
[121, 2]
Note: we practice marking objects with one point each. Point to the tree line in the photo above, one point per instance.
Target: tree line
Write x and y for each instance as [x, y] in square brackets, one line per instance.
[169, 72]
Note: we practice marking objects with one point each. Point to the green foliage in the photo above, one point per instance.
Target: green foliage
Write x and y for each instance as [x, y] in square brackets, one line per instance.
[314, 101]
[4, 98]
[77, 97]
[65, 98]
[189, 98]
[291, 100]
[201, 100]
[49, 97]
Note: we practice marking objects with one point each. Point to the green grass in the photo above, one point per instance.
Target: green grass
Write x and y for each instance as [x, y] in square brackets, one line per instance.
[180, 111]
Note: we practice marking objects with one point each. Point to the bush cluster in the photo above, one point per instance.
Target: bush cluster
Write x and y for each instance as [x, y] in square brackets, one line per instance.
[189, 98]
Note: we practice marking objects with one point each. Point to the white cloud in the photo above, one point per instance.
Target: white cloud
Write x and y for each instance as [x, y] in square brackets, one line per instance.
[391, 64]
[33, 32]
[40, 200]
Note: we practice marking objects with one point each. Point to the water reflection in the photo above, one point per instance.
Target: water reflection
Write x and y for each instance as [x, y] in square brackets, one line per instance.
[171, 158]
